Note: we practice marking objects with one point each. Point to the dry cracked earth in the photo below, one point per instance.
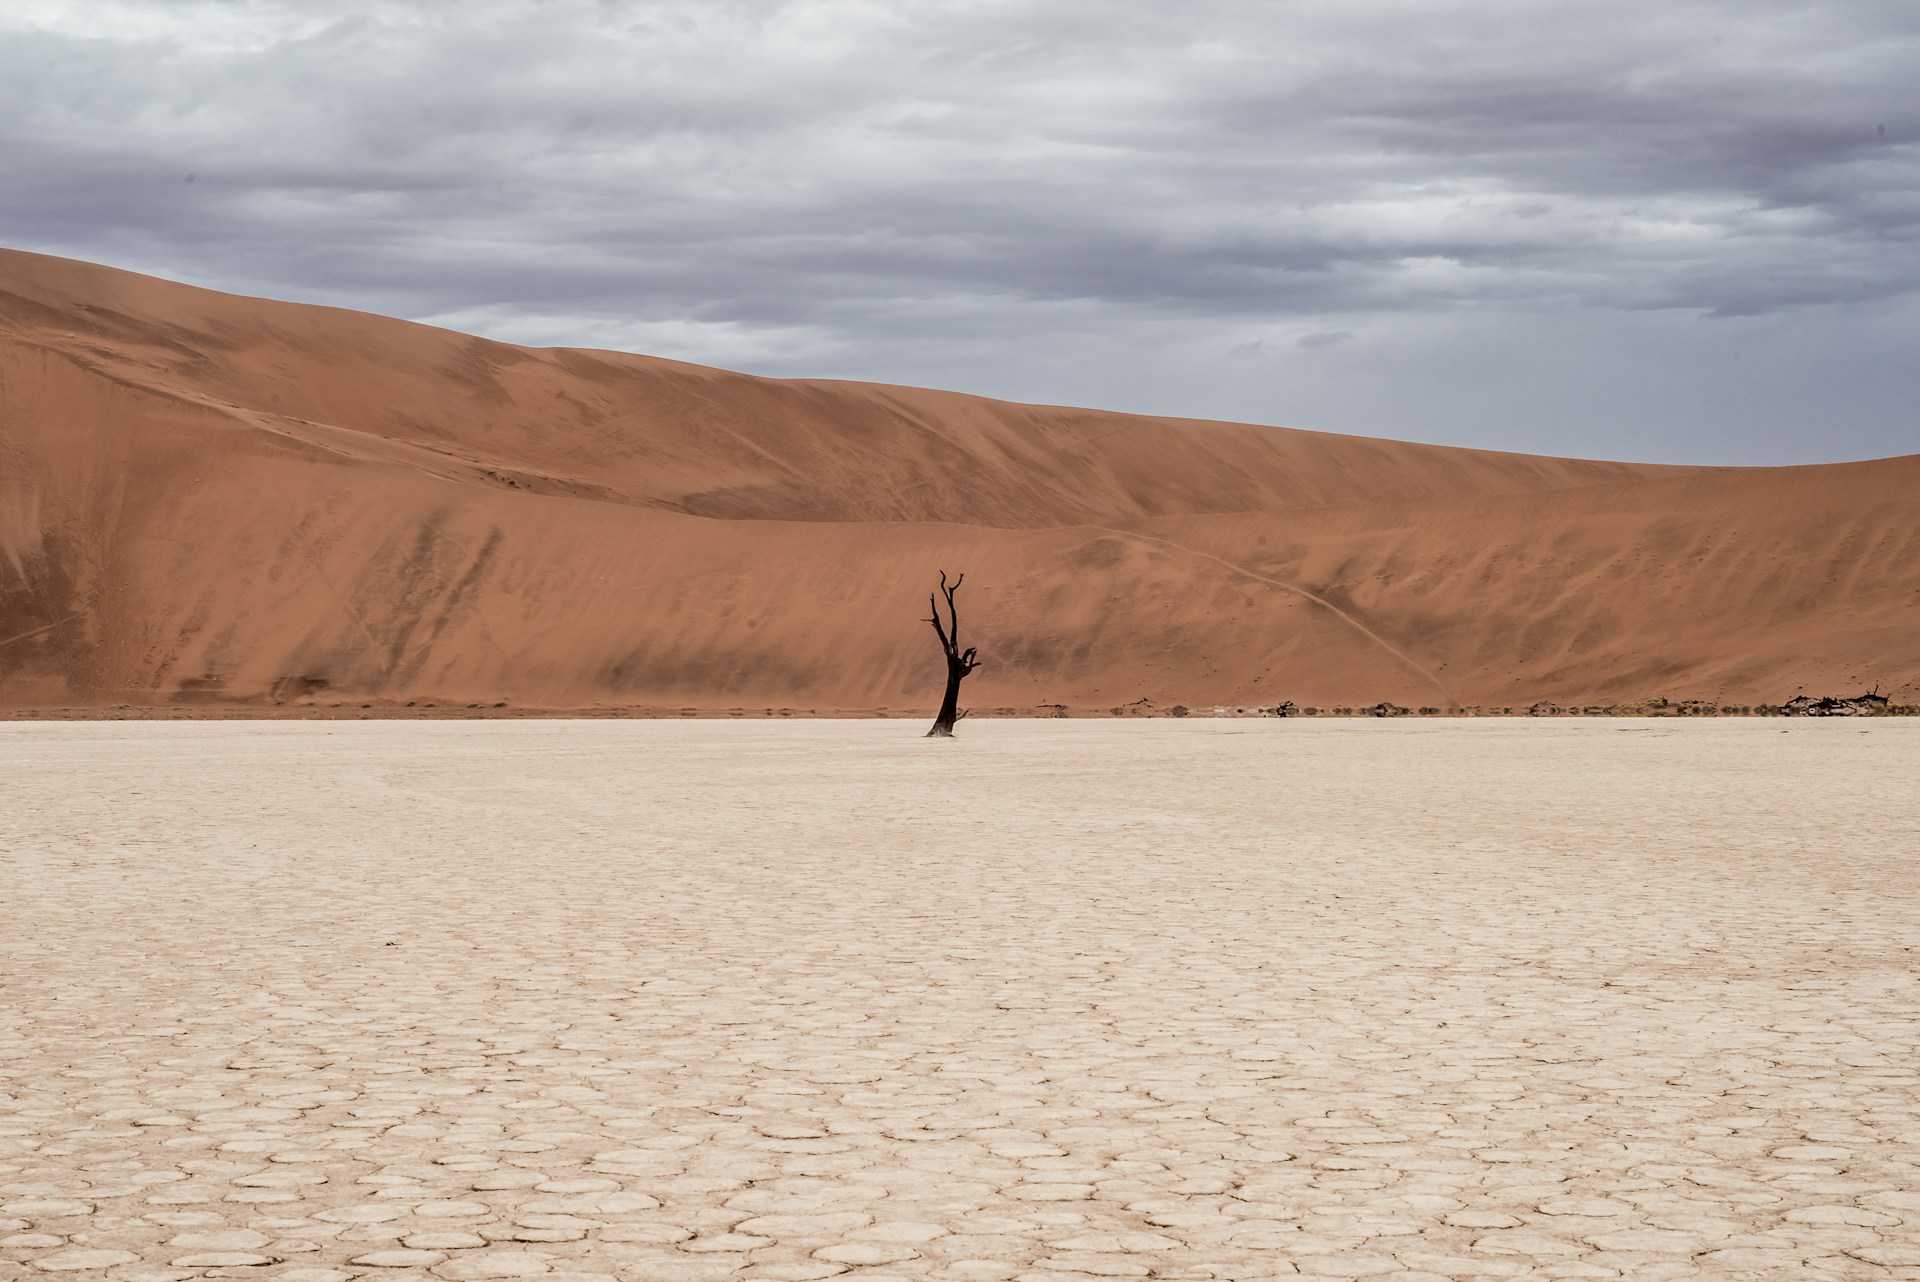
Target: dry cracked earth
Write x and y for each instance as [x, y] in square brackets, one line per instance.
[1056, 1000]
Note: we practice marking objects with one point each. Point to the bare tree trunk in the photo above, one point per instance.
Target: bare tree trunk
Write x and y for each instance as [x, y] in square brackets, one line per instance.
[959, 662]
[949, 705]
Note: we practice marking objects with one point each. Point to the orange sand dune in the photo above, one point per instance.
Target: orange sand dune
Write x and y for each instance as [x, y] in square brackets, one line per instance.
[213, 500]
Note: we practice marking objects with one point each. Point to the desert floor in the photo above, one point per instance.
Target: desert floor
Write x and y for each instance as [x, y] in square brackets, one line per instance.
[1182, 1000]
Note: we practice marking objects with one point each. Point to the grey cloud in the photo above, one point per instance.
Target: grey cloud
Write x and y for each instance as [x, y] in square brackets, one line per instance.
[893, 191]
[1320, 338]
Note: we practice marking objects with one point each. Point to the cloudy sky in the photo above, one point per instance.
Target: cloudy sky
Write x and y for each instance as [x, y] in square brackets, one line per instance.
[1679, 230]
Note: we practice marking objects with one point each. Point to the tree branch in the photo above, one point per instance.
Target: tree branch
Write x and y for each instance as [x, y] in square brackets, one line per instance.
[946, 643]
[953, 613]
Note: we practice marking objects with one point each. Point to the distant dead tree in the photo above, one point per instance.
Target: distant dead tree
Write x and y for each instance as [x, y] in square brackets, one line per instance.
[959, 662]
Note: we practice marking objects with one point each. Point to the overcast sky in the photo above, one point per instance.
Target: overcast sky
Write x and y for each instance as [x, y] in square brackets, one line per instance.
[1649, 229]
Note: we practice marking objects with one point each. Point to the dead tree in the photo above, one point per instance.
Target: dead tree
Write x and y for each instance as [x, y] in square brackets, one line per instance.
[959, 662]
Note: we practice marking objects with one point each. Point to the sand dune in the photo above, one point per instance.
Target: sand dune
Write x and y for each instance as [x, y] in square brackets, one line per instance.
[217, 500]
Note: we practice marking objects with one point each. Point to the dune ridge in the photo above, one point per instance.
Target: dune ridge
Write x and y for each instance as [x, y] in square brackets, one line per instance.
[214, 502]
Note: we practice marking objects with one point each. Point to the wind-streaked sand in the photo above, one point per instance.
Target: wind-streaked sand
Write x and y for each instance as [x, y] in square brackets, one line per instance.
[210, 502]
[1055, 1000]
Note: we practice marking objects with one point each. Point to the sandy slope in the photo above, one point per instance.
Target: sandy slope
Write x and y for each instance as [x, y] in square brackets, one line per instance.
[210, 498]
